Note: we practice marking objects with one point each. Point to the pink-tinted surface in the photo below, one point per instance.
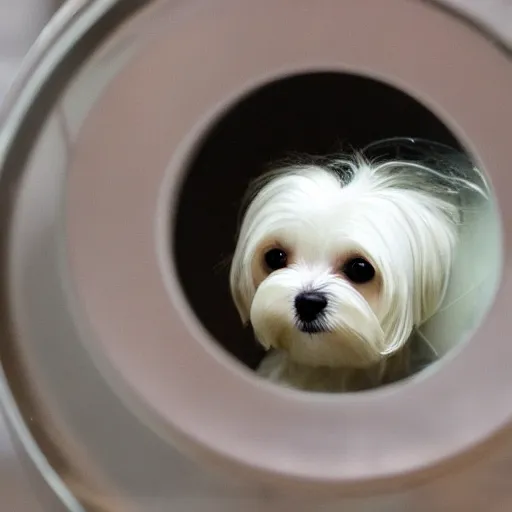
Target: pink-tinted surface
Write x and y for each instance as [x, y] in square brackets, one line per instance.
[454, 494]
[451, 72]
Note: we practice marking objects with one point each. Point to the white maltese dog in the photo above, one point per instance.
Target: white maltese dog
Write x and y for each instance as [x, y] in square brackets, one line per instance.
[338, 262]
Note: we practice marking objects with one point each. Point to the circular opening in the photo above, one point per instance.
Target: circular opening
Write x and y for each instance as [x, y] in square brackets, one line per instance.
[316, 114]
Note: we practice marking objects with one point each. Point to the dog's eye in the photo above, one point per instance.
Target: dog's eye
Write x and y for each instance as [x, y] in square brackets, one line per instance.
[358, 270]
[275, 259]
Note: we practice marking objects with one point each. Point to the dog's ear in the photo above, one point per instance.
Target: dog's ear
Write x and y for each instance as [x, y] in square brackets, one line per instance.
[236, 291]
[241, 286]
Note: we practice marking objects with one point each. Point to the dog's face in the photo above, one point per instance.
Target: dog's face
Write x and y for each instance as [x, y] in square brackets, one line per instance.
[338, 271]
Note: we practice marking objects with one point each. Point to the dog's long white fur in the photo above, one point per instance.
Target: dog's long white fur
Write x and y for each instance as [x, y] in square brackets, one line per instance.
[403, 217]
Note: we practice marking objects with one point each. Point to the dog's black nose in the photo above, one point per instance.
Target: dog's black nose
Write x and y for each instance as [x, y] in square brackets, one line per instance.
[309, 304]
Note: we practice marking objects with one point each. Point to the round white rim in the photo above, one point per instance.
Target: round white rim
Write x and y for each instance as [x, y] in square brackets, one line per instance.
[116, 214]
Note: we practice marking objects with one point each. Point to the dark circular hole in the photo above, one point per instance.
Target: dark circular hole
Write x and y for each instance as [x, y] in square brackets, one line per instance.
[316, 113]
